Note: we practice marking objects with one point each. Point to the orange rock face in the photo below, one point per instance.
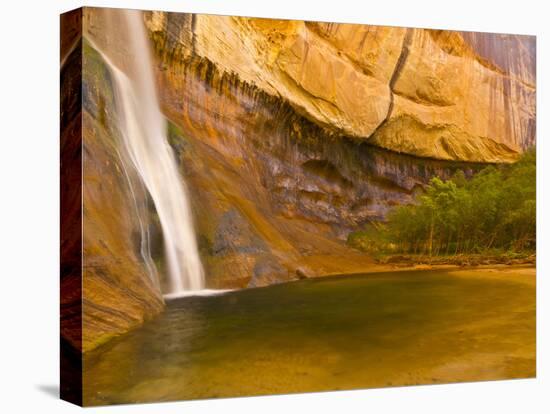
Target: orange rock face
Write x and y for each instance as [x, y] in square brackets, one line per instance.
[451, 103]
[289, 134]
[428, 93]
[105, 284]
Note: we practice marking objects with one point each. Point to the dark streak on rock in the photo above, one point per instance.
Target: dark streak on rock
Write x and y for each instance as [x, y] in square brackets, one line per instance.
[395, 76]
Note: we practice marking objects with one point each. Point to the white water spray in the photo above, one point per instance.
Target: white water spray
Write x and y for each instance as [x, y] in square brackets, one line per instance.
[143, 130]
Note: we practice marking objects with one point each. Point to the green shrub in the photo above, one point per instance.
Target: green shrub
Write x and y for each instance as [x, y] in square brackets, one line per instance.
[496, 209]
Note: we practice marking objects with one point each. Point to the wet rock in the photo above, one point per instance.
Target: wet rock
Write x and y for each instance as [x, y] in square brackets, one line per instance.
[268, 271]
[119, 289]
[235, 235]
[303, 273]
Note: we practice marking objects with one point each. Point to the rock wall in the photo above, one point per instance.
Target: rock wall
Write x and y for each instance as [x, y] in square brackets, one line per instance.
[118, 291]
[289, 135]
[262, 170]
[429, 93]
[106, 288]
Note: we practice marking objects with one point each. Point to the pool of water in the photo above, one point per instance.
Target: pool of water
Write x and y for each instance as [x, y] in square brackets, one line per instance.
[342, 332]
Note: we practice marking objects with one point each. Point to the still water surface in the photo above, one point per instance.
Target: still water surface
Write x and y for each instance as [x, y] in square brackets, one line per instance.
[344, 332]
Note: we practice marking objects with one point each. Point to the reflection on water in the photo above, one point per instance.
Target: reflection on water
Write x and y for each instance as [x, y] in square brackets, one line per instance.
[325, 334]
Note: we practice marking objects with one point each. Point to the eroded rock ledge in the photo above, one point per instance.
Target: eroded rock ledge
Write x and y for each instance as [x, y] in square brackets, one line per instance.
[429, 93]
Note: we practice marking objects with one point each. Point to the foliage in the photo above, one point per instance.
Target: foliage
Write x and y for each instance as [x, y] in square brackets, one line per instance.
[496, 209]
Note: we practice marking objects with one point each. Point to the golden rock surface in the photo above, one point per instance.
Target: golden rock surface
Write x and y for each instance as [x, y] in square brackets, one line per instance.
[430, 93]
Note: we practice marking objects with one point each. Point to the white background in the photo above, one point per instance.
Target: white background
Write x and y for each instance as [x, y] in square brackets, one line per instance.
[29, 206]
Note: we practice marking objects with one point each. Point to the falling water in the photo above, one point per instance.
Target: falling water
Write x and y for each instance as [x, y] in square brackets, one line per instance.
[143, 130]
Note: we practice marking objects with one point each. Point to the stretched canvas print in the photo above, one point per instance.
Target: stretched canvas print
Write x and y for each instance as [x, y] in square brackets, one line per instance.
[260, 206]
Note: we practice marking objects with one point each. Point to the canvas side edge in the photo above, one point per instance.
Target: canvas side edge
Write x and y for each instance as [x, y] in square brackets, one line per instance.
[71, 206]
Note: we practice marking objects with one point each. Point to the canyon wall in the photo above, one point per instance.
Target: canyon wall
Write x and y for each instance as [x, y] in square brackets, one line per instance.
[313, 129]
[118, 290]
[289, 134]
[106, 288]
[430, 93]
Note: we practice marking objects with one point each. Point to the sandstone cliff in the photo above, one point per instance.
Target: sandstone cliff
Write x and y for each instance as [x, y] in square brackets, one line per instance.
[118, 290]
[289, 134]
[106, 288]
[438, 94]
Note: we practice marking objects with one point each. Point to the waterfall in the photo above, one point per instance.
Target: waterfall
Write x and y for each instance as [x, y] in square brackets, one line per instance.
[143, 132]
